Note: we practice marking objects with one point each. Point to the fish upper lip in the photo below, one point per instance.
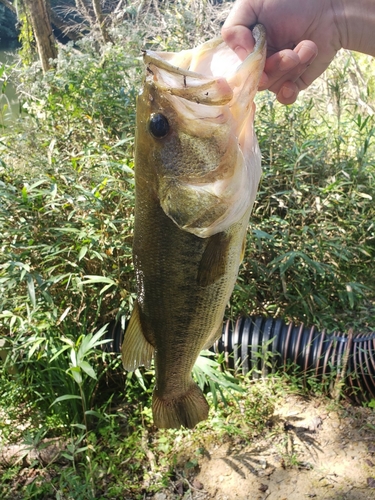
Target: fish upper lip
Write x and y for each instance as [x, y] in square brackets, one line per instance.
[150, 56]
[153, 58]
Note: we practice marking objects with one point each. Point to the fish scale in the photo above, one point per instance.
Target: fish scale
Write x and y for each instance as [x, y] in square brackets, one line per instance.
[197, 169]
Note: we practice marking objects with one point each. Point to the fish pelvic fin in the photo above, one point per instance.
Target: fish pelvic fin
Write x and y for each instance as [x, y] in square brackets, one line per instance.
[136, 350]
[186, 410]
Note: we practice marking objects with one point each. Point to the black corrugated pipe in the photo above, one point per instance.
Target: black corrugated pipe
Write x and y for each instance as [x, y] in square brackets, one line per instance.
[261, 345]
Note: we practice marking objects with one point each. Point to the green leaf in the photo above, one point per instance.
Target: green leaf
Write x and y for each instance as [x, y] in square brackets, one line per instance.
[66, 397]
[364, 195]
[73, 357]
[140, 379]
[94, 413]
[35, 344]
[76, 374]
[349, 291]
[87, 368]
[57, 354]
[105, 288]
[98, 279]
[31, 289]
[122, 142]
[82, 427]
[91, 341]
[24, 194]
[80, 450]
[262, 234]
[82, 252]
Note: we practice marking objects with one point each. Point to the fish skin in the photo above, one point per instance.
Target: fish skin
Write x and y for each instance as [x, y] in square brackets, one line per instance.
[195, 187]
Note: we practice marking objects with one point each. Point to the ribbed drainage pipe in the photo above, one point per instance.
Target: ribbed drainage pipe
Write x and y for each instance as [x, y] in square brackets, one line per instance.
[263, 345]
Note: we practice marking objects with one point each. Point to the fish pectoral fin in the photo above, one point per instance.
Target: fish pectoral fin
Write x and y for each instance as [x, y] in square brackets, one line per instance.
[214, 259]
[186, 410]
[136, 350]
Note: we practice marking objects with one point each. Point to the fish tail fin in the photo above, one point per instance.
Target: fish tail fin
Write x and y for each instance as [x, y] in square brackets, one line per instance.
[136, 351]
[186, 410]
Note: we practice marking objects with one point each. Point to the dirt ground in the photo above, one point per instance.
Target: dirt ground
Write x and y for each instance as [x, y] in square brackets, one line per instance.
[313, 450]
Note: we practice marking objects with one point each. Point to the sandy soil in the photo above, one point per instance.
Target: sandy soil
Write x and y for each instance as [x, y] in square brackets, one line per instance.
[311, 451]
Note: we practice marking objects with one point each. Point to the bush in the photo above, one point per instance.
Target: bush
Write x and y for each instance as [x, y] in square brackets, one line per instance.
[312, 237]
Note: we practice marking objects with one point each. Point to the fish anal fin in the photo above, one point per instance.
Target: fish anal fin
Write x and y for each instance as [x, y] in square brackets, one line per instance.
[214, 259]
[136, 350]
[186, 410]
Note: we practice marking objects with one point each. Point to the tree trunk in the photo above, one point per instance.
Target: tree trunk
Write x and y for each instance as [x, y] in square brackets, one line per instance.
[66, 28]
[100, 20]
[41, 23]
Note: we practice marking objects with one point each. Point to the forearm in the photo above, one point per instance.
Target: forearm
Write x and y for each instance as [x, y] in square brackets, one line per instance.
[356, 23]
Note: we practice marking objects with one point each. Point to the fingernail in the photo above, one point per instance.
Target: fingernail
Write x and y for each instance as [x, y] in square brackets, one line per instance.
[287, 63]
[307, 54]
[241, 52]
[287, 92]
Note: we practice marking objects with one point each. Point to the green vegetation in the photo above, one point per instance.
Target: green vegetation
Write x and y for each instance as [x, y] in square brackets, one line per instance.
[66, 218]
[313, 238]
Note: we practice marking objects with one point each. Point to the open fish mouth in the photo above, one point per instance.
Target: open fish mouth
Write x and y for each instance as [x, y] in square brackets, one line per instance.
[211, 74]
[211, 92]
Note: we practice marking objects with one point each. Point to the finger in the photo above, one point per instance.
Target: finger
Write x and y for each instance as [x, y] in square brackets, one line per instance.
[239, 39]
[279, 65]
[241, 14]
[288, 93]
[236, 32]
[264, 82]
[311, 73]
[306, 52]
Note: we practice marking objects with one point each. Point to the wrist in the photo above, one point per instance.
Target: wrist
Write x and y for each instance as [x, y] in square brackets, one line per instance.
[355, 21]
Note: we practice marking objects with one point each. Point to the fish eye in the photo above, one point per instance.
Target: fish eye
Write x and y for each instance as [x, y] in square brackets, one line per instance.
[158, 125]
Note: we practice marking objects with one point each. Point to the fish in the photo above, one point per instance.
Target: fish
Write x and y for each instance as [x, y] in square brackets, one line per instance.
[197, 170]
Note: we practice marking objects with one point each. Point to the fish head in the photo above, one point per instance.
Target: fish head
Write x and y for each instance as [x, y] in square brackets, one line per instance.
[197, 150]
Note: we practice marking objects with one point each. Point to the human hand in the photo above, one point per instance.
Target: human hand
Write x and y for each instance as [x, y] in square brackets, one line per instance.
[302, 39]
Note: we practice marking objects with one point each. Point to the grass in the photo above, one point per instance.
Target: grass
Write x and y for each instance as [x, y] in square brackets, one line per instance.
[66, 220]
[312, 238]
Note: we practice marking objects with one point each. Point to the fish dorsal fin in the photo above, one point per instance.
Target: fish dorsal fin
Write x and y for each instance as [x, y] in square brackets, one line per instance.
[136, 351]
[214, 259]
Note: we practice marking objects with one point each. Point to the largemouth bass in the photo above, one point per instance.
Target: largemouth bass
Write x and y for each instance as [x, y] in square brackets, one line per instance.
[197, 169]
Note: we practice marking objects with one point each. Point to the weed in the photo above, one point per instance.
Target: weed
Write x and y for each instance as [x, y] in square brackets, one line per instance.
[66, 224]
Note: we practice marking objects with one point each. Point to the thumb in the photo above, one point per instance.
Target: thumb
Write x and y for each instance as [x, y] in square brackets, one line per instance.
[235, 31]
